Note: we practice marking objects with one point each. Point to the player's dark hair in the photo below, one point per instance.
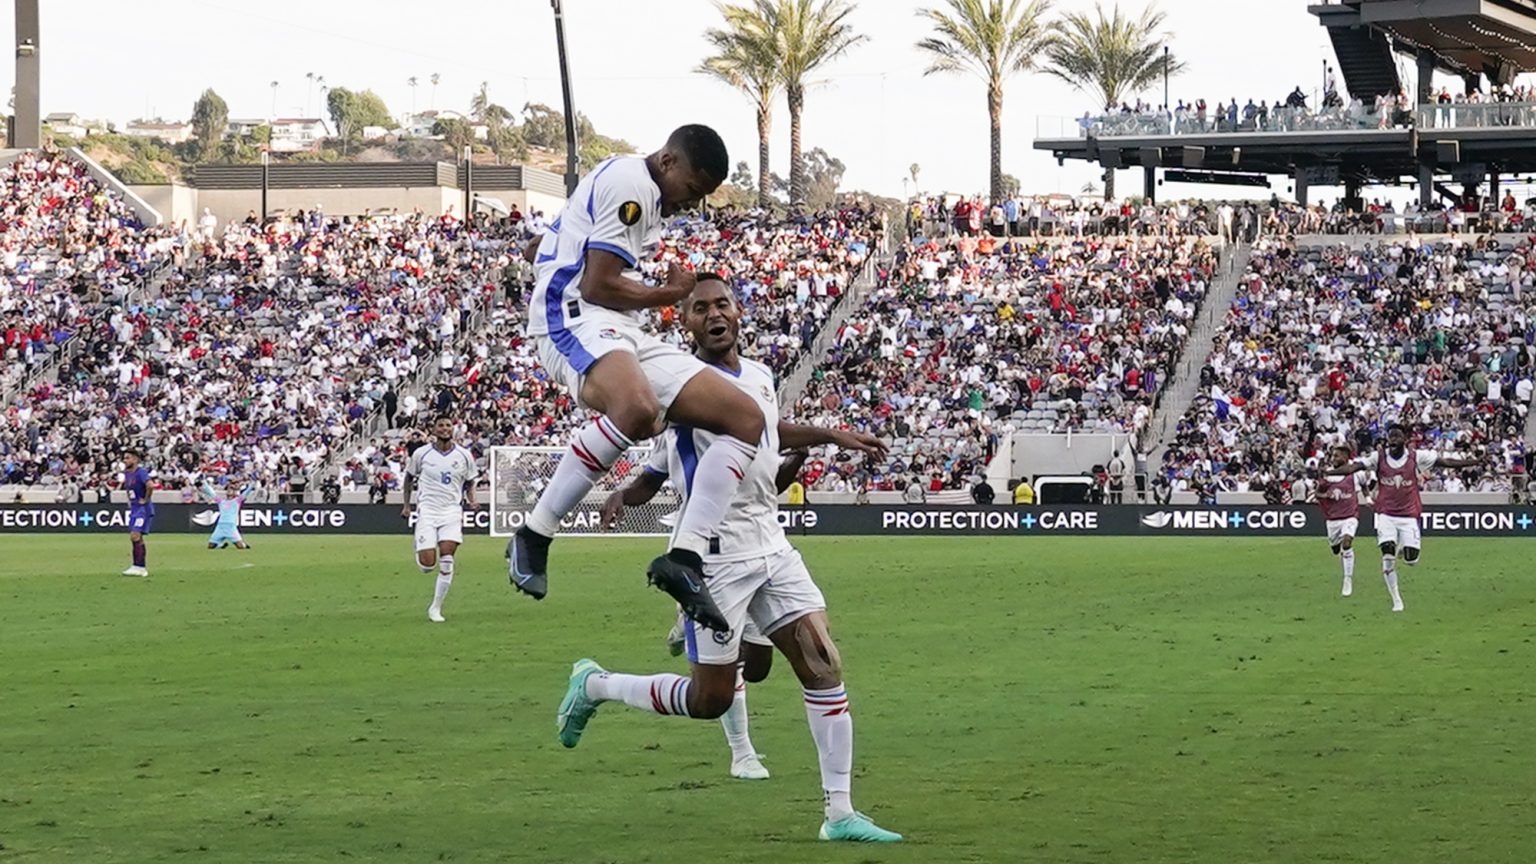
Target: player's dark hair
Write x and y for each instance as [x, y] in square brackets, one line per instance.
[703, 149]
[711, 277]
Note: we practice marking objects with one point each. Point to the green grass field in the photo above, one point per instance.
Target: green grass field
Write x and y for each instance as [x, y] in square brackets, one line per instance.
[1041, 700]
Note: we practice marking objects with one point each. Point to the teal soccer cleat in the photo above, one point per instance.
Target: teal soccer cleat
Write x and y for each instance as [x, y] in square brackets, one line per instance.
[577, 707]
[857, 828]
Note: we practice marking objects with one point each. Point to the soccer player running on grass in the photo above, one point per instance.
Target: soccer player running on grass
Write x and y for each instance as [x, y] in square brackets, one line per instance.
[443, 474]
[584, 320]
[1339, 499]
[1398, 505]
[755, 574]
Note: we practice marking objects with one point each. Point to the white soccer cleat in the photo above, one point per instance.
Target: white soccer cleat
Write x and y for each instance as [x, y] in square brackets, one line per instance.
[1397, 606]
[435, 615]
[749, 767]
[1349, 586]
[136, 571]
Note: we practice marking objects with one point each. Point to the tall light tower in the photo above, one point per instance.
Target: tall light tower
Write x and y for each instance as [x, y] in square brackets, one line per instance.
[27, 122]
[571, 154]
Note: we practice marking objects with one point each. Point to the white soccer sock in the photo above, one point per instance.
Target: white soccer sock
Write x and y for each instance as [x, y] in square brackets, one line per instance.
[444, 579]
[734, 722]
[714, 484]
[665, 694]
[1389, 573]
[1348, 557]
[832, 729]
[594, 449]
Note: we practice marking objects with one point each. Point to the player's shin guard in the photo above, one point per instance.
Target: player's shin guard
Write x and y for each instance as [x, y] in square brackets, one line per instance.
[444, 580]
[1348, 557]
[720, 472]
[664, 694]
[832, 729]
[734, 722]
[593, 451]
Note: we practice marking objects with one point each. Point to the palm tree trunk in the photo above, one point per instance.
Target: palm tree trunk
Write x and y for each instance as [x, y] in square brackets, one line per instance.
[764, 129]
[995, 115]
[794, 94]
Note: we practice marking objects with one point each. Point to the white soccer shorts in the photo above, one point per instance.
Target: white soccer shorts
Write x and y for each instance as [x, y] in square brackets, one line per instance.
[1402, 530]
[432, 530]
[768, 592]
[568, 354]
[1338, 529]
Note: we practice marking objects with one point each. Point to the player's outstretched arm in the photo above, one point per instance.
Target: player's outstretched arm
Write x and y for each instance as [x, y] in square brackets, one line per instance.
[603, 283]
[638, 491]
[1344, 470]
[1454, 462]
[795, 436]
[531, 251]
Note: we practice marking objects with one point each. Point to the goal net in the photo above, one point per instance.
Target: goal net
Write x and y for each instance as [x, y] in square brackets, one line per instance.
[519, 475]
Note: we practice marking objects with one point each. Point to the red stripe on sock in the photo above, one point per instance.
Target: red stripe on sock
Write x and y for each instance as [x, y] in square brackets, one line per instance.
[587, 459]
[603, 425]
[656, 702]
[737, 472]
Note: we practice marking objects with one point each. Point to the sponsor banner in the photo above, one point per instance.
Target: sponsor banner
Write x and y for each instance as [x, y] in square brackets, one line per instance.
[844, 519]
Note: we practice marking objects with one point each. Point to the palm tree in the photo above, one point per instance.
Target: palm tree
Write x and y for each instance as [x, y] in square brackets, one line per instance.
[807, 35]
[991, 39]
[746, 58]
[435, 78]
[412, 82]
[1110, 58]
[273, 115]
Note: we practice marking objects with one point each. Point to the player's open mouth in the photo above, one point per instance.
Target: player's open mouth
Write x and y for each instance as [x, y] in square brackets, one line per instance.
[718, 330]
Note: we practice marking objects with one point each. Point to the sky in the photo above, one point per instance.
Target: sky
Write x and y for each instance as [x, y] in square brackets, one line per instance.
[632, 74]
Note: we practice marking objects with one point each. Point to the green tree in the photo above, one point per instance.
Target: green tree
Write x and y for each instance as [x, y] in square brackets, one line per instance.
[991, 39]
[824, 174]
[1110, 57]
[746, 57]
[741, 178]
[457, 134]
[352, 110]
[808, 34]
[210, 119]
[544, 127]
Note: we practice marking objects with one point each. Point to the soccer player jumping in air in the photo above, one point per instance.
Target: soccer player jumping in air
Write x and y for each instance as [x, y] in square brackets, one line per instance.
[1398, 505]
[584, 320]
[141, 511]
[756, 575]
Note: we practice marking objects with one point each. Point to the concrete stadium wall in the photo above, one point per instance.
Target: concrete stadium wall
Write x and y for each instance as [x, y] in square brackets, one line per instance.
[234, 204]
[147, 215]
[176, 203]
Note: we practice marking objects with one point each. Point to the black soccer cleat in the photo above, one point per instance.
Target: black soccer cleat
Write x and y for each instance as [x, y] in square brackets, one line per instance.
[528, 562]
[680, 573]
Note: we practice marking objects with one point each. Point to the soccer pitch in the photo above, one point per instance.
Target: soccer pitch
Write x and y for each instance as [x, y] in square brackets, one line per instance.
[1039, 699]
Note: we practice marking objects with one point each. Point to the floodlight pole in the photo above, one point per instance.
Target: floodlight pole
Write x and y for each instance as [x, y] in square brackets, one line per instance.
[571, 154]
[26, 130]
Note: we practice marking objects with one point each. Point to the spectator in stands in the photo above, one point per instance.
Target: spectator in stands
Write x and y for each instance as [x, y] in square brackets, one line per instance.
[982, 492]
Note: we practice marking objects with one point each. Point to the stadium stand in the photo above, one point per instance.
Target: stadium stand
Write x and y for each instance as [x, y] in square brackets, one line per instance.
[1328, 343]
[971, 339]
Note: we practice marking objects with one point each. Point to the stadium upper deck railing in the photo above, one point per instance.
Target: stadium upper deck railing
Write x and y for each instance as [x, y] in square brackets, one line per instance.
[1452, 115]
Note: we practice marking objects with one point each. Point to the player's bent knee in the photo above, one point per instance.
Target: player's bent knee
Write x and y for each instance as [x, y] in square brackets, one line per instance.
[640, 418]
[1348, 543]
[1410, 555]
[426, 560]
[1389, 548]
[808, 645]
[756, 663]
[1336, 548]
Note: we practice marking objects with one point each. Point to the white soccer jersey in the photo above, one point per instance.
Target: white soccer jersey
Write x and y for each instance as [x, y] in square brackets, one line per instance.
[616, 208]
[440, 479]
[751, 527]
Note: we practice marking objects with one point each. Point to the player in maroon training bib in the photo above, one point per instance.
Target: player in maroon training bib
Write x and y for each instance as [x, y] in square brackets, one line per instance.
[1398, 505]
[1339, 499]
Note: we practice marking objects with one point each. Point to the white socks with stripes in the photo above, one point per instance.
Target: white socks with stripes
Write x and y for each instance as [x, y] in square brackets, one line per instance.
[832, 729]
[593, 451]
[664, 694]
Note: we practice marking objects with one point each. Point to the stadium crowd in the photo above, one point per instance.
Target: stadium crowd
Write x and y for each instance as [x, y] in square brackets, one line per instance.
[968, 339]
[270, 343]
[1327, 345]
